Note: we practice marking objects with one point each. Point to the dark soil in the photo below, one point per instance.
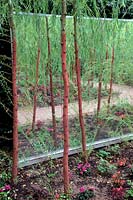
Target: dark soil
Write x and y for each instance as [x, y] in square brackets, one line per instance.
[43, 181]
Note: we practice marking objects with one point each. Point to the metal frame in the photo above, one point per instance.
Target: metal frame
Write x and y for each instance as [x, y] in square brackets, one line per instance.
[59, 154]
[58, 16]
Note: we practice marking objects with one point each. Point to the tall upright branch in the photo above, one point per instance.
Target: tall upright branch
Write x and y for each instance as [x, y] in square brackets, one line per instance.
[51, 83]
[111, 80]
[14, 90]
[99, 90]
[35, 89]
[66, 97]
[78, 75]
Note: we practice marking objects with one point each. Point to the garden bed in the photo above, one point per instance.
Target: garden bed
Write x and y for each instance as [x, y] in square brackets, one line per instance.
[109, 174]
[117, 123]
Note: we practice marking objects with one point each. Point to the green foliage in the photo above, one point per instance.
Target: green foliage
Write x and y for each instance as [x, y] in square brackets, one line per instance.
[5, 196]
[129, 192]
[119, 118]
[63, 196]
[4, 177]
[103, 154]
[114, 149]
[92, 51]
[85, 194]
[104, 167]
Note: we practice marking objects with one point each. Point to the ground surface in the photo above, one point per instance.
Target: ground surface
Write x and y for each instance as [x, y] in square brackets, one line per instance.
[25, 114]
[45, 180]
[41, 140]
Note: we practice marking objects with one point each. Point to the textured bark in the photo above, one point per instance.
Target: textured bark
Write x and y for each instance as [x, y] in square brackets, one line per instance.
[89, 80]
[111, 80]
[78, 76]
[99, 90]
[94, 60]
[107, 54]
[90, 72]
[51, 84]
[15, 99]
[107, 57]
[66, 95]
[35, 90]
[99, 94]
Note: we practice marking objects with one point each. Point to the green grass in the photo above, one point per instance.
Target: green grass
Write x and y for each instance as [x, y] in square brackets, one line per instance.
[92, 34]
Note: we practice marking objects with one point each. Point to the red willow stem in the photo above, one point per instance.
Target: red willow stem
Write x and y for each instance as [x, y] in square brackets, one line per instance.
[107, 54]
[111, 80]
[89, 80]
[15, 98]
[107, 57]
[51, 84]
[94, 60]
[73, 72]
[35, 89]
[66, 97]
[99, 91]
[78, 75]
[91, 74]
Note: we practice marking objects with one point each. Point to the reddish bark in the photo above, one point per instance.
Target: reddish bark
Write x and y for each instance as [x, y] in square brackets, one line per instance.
[15, 99]
[99, 94]
[81, 119]
[66, 96]
[78, 76]
[111, 80]
[89, 80]
[26, 76]
[107, 57]
[91, 73]
[51, 84]
[92, 76]
[35, 90]
[99, 91]
[107, 54]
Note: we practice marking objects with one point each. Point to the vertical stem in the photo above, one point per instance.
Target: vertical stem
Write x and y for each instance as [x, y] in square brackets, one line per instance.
[99, 91]
[90, 72]
[51, 83]
[35, 89]
[15, 100]
[89, 80]
[66, 96]
[94, 60]
[77, 67]
[107, 57]
[26, 75]
[111, 80]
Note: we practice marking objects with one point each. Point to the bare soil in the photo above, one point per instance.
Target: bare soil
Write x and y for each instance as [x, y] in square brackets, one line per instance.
[45, 180]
